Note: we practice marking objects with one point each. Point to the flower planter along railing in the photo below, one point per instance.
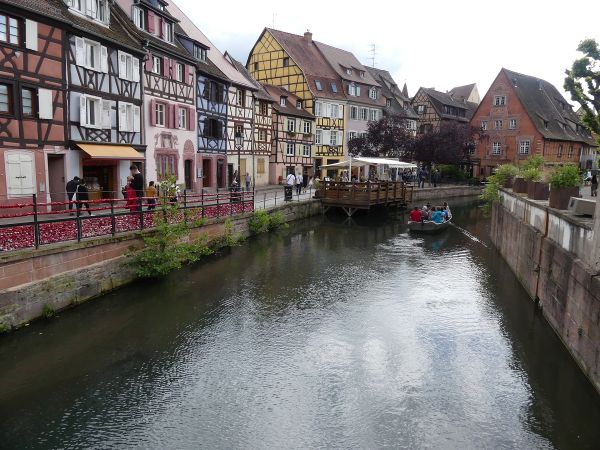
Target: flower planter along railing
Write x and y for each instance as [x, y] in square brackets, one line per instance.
[31, 224]
[538, 190]
[561, 196]
[520, 186]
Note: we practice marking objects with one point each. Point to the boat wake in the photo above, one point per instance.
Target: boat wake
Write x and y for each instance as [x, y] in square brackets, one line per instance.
[469, 235]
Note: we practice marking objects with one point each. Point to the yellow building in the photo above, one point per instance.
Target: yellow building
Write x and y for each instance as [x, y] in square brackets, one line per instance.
[295, 64]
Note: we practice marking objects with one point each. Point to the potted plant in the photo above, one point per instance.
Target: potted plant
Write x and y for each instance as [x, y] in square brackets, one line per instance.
[536, 188]
[506, 175]
[519, 184]
[564, 184]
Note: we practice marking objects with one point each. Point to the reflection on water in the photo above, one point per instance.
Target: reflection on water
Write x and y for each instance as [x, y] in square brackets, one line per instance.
[326, 335]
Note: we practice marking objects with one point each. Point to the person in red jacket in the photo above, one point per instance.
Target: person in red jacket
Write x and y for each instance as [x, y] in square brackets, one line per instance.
[415, 215]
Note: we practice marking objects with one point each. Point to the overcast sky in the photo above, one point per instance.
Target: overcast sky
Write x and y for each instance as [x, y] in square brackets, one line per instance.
[435, 43]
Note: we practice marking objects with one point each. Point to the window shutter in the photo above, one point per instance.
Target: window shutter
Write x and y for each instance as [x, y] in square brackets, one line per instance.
[328, 110]
[161, 27]
[90, 7]
[31, 34]
[103, 59]
[340, 111]
[358, 91]
[137, 119]
[191, 119]
[106, 119]
[136, 70]
[325, 137]
[152, 112]
[79, 51]
[13, 166]
[122, 64]
[45, 109]
[151, 22]
[149, 63]
[169, 116]
[83, 110]
[123, 125]
[190, 74]
[166, 66]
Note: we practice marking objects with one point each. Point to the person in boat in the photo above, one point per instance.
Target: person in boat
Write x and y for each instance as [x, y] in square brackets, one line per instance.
[437, 216]
[415, 215]
[447, 211]
[425, 213]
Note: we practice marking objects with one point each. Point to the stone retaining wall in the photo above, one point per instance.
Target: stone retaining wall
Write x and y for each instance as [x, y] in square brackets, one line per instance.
[549, 253]
[443, 193]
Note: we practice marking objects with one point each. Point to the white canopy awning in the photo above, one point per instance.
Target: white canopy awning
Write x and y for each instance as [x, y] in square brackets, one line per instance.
[361, 162]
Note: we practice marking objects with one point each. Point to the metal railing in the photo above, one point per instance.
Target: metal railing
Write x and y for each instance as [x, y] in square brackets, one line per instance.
[32, 223]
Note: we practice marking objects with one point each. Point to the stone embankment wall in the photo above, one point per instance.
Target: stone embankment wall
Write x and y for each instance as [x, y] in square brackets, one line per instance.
[551, 254]
[64, 275]
[443, 193]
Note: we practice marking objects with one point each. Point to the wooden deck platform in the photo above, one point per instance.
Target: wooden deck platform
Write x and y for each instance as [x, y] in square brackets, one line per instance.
[352, 197]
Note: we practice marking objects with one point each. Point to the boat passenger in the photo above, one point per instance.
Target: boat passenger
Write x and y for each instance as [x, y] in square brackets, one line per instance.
[425, 213]
[437, 216]
[447, 211]
[415, 215]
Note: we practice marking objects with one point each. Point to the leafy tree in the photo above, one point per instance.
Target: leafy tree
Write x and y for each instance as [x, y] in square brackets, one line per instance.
[389, 137]
[583, 83]
[449, 144]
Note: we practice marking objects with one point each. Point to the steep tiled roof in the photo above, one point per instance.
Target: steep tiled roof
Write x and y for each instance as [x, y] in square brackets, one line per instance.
[461, 92]
[261, 93]
[440, 99]
[50, 8]
[390, 90]
[306, 55]
[206, 67]
[341, 60]
[275, 93]
[552, 115]
[214, 54]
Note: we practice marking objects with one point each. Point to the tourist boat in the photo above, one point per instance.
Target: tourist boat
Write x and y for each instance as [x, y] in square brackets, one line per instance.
[428, 226]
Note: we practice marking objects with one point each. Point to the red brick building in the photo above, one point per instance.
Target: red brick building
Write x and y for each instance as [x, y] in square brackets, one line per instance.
[524, 116]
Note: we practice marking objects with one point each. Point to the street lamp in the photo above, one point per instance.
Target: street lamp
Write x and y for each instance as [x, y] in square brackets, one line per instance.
[239, 143]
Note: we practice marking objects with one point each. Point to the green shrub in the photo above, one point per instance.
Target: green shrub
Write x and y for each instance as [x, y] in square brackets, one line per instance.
[4, 327]
[565, 176]
[48, 311]
[452, 172]
[505, 172]
[531, 174]
[259, 222]
[534, 162]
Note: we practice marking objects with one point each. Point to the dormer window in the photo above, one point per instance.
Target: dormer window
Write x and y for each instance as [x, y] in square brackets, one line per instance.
[94, 9]
[286, 62]
[334, 88]
[138, 15]
[318, 84]
[362, 73]
[200, 53]
[388, 102]
[169, 35]
[373, 94]
[299, 104]
[283, 100]
[349, 71]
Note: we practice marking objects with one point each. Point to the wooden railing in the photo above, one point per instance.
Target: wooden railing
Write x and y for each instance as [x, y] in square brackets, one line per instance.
[365, 195]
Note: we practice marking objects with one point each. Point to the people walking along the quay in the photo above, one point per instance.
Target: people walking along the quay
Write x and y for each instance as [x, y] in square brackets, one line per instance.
[299, 184]
[291, 179]
[82, 196]
[594, 186]
[137, 184]
[248, 181]
[151, 193]
[71, 188]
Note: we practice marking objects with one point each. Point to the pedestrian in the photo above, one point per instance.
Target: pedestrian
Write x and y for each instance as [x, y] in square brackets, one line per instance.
[594, 188]
[422, 177]
[82, 195]
[291, 179]
[137, 184]
[310, 184]
[71, 188]
[435, 177]
[151, 193]
[299, 183]
[248, 181]
[130, 195]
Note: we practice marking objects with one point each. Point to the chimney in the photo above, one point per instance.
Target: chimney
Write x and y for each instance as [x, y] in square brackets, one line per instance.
[308, 36]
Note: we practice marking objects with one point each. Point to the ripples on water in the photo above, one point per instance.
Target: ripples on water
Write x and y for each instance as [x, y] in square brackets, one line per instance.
[325, 336]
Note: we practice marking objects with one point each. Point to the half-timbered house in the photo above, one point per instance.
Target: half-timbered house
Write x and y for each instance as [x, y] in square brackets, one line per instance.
[434, 107]
[364, 94]
[397, 102]
[295, 64]
[293, 138]
[239, 94]
[169, 80]
[211, 113]
[262, 130]
[524, 116]
[105, 96]
[32, 100]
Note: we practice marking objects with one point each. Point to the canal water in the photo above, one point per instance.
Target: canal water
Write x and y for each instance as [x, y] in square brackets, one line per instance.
[325, 335]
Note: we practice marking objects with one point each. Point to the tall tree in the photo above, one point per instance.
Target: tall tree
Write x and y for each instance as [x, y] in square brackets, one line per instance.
[583, 83]
[449, 144]
[389, 137]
